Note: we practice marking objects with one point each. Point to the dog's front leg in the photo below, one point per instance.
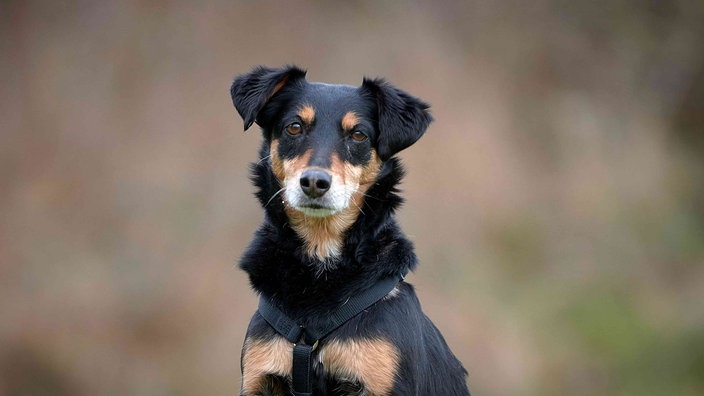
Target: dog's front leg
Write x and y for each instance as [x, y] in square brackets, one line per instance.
[266, 366]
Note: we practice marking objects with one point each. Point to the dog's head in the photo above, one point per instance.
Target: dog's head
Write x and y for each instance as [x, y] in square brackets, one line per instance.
[327, 143]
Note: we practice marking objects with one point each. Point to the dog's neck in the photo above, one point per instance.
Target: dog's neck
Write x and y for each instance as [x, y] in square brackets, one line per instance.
[323, 237]
[372, 247]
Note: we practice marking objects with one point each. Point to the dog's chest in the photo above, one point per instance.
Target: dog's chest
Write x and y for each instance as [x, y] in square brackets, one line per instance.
[370, 362]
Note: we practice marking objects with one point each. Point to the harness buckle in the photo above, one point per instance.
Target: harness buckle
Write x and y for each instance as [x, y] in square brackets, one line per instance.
[304, 341]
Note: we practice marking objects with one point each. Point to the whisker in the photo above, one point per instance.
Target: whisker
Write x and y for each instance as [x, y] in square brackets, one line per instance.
[365, 195]
[263, 159]
[274, 196]
[358, 207]
[366, 203]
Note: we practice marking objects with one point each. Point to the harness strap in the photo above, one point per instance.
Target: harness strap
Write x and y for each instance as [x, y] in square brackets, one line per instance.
[283, 325]
[302, 371]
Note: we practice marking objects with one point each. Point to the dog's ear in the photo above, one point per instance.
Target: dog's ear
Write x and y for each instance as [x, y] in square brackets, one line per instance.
[252, 90]
[402, 118]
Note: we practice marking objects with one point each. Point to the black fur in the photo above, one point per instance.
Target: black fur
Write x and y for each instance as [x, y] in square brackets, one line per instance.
[251, 92]
[374, 246]
[400, 113]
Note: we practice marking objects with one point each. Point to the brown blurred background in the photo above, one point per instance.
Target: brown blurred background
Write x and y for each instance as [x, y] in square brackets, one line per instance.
[557, 203]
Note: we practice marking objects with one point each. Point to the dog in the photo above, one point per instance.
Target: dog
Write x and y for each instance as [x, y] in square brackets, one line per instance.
[328, 262]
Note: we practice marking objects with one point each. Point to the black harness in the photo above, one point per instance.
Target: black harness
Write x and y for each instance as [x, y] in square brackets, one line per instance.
[306, 339]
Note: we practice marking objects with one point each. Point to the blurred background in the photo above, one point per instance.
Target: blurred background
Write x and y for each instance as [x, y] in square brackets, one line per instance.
[557, 203]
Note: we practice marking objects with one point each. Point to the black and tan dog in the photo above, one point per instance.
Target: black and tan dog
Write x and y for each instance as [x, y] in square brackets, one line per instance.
[327, 179]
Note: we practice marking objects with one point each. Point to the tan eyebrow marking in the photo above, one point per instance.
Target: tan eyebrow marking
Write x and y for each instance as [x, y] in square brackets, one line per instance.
[307, 114]
[349, 121]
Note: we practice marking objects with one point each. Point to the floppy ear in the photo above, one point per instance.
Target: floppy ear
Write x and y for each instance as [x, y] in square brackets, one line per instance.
[252, 90]
[402, 118]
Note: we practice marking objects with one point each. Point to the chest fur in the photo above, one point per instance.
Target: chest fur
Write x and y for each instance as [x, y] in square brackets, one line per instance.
[371, 362]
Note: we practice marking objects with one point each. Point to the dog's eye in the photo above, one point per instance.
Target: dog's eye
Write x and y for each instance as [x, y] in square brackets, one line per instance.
[359, 136]
[294, 129]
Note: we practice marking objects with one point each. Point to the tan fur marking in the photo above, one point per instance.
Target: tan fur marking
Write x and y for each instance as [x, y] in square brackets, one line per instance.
[261, 358]
[307, 114]
[374, 362]
[285, 169]
[370, 171]
[349, 121]
[276, 165]
[293, 167]
[324, 235]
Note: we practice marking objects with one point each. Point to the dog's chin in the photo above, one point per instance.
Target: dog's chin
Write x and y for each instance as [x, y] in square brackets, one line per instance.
[316, 211]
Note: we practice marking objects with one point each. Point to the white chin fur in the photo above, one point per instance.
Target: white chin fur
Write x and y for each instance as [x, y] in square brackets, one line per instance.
[316, 212]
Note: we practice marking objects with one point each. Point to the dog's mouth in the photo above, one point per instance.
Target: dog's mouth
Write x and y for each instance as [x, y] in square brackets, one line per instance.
[315, 207]
[316, 210]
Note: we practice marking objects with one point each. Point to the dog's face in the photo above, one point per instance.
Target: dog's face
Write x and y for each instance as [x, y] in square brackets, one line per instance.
[322, 148]
[327, 143]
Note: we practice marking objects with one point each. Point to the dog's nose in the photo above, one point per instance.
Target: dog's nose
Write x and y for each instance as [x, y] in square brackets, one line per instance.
[315, 182]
